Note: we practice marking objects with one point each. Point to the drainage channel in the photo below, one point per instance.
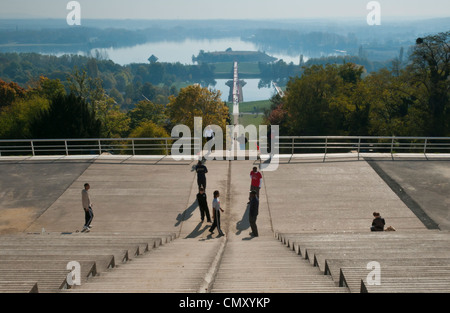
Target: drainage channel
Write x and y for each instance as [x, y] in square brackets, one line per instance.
[210, 276]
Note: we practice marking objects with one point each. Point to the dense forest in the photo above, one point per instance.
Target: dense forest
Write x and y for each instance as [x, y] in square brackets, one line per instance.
[126, 84]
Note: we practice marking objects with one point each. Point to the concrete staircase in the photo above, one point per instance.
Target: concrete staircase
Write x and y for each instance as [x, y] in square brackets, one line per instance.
[198, 261]
[417, 262]
[38, 263]
[179, 267]
[260, 264]
[263, 265]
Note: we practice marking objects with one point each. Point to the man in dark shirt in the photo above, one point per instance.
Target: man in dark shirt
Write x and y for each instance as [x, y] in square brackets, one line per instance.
[253, 214]
[203, 205]
[378, 222]
[201, 175]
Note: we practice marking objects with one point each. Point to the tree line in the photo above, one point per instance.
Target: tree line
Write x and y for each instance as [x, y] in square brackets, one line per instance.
[45, 110]
[126, 84]
[337, 99]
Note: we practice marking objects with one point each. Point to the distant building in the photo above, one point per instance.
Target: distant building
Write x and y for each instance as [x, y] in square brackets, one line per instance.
[233, 56]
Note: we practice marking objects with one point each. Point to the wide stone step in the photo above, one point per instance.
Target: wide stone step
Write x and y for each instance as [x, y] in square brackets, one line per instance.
[48, 280]
[18, 287]
[263, 264]
[102, 262]
[409, 262]
[43, 259]
[180, 266]
[333, 266]
[356, 278]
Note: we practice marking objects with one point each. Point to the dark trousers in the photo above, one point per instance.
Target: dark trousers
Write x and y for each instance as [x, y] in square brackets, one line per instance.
[255, 189]
[216, 223]
[201, 183]
[88, 217]
[252, 221]
[204, 211]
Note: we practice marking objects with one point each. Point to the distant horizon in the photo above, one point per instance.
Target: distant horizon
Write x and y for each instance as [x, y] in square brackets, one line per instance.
[231, 10]
[354, 18]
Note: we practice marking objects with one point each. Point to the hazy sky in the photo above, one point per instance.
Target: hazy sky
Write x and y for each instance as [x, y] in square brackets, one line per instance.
[222, 9]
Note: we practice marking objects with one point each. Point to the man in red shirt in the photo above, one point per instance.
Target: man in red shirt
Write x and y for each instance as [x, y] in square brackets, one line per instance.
[256, 178]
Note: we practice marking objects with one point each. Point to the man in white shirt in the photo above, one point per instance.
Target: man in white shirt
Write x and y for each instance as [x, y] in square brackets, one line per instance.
[216, 214]
[87, 206]
[209, 134]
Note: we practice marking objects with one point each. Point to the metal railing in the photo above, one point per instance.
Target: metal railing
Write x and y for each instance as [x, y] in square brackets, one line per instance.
[286, 145]
[362, 144]
[128, 146]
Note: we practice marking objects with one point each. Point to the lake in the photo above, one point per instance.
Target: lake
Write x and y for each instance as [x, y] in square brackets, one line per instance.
[182, 51]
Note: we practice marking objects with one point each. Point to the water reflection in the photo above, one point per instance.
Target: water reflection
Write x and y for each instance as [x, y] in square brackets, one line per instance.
[251, 91]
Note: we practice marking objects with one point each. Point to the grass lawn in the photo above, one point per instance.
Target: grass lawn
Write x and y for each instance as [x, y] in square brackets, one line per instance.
[251, 119]
[249, 107]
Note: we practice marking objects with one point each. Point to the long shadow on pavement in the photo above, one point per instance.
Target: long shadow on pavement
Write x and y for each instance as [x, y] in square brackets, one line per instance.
[187, 214]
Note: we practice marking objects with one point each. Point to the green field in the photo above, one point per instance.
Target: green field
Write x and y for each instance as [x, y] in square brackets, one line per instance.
[251, 119]
[251, 106]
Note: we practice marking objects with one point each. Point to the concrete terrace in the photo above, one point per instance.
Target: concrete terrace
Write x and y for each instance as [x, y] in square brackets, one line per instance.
[147, 235]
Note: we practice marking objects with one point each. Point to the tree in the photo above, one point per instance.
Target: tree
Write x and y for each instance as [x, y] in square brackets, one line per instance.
[68, 116]
[394, 110]
[116, 95]
[148, 129]
[16, 119]
[352, 101]
[10, 92]
[196, 101]
[82, 85]
[326, 100]
[146, 111]
[50, 88]
[276, 115]
[307, 102]
[114, 122]
[149, 91]
[429, 70]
